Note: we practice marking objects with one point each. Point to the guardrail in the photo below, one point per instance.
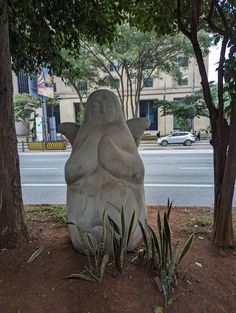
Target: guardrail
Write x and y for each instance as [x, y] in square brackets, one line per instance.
[24, 146]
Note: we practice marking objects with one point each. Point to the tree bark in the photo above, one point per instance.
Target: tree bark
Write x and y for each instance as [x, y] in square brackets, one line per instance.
[224, 172]
[12, 219]
[223, 227]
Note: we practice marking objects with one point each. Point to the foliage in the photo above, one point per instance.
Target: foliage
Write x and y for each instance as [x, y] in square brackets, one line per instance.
[56, 213]
[135, 56]
[25, 110]
[218, 19]
[120, 238]
[24, 106]
[161, 254]
[80, 69]
[39, 29]
[200, 225]
[35, 255]
[184, 110]
[97, 257]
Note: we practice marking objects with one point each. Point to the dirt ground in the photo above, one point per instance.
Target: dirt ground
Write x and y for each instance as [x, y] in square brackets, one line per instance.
[39, 287]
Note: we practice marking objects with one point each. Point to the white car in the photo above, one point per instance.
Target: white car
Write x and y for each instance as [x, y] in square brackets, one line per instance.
[178, 137]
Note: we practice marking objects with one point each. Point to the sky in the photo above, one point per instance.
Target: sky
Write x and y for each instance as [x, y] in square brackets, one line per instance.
[213, 59]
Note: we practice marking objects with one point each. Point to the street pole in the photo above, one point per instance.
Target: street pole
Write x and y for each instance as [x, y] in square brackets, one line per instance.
[45, 119]
[164, 98]
[193, 89]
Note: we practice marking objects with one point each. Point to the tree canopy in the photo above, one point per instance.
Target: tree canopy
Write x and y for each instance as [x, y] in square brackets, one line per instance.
[129, 62]
[32, 33]
[40, 29]
[185, 109]
[218, 18]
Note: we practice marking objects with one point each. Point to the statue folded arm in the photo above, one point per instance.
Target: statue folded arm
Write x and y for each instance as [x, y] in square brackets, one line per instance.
[82, 161]
[119, 163]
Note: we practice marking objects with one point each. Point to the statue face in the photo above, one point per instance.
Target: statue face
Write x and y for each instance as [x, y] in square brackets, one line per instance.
[103, 111]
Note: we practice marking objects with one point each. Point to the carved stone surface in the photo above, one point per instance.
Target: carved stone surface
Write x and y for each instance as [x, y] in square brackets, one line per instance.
[104, 171]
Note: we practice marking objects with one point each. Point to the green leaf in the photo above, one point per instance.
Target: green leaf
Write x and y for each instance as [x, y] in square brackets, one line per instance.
[186, 248]
[198, 264]
[114, 225]
[91, 244]
[145, 239]
[35, 255]
[169, 207]
[82, 236]
[154, 236]
[103, 236]
[80, 276]
[158, 309]
[122, 218]
[167, 233]
[131, 224]
[104, 261]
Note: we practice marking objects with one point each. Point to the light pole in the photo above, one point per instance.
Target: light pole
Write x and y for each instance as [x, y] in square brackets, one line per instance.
[164, 98]
[45, 118]
[193, 88]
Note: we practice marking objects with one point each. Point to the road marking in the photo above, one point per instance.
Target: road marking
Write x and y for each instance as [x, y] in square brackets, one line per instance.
[146, 185]
[190, 158]
[197, 168]
[151, 151]
[181, 185]
[143, 152]
[39, 168]
[48, 159]
[43, 185]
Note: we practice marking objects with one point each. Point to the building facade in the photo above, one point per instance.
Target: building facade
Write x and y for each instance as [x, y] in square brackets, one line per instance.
[161, 87]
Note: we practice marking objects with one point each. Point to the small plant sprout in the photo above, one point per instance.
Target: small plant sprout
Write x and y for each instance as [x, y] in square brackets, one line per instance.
[95, 252]
[161, 254]
[120, 238]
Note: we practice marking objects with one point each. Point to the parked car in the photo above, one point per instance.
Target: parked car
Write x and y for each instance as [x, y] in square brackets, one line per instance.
[178, 137]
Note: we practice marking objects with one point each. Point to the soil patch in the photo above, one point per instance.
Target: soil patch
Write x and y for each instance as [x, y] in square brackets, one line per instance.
[39, 287]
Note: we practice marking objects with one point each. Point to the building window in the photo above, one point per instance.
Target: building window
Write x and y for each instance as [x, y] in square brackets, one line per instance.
[182, 61]
[148, 65]
[115, 84]
[148, 110]
[83, 85]
[183, 81]
[23, 82]
[148, 82]
[114, 65]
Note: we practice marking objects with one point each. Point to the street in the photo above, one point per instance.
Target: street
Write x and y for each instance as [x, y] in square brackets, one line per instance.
[185, 175]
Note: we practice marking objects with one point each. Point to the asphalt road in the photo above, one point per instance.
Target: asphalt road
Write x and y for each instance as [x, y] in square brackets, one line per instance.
[185, 175]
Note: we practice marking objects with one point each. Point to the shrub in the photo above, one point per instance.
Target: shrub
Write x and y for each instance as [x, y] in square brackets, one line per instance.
[120, 239]
[161, 254]
[96, 255]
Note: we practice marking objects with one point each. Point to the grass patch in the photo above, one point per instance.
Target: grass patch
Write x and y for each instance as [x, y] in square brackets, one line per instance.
[54, 213]
[200, 225]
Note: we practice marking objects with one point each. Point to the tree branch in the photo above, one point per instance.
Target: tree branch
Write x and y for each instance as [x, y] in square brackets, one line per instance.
[213, 27]
[222, 15]
[221, 77]
[179, 19]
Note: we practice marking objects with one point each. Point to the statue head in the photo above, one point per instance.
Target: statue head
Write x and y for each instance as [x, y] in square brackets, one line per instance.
[103, 107]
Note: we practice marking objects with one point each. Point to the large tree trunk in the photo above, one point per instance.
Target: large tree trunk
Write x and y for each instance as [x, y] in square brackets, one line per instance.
[223, 228]
[12, 220]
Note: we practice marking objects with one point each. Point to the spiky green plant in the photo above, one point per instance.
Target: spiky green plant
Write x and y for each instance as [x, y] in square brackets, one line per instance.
[95, 252]
[121, 238]
[161, 254]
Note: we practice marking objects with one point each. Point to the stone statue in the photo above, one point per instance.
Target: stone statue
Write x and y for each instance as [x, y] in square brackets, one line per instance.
[104, 170]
